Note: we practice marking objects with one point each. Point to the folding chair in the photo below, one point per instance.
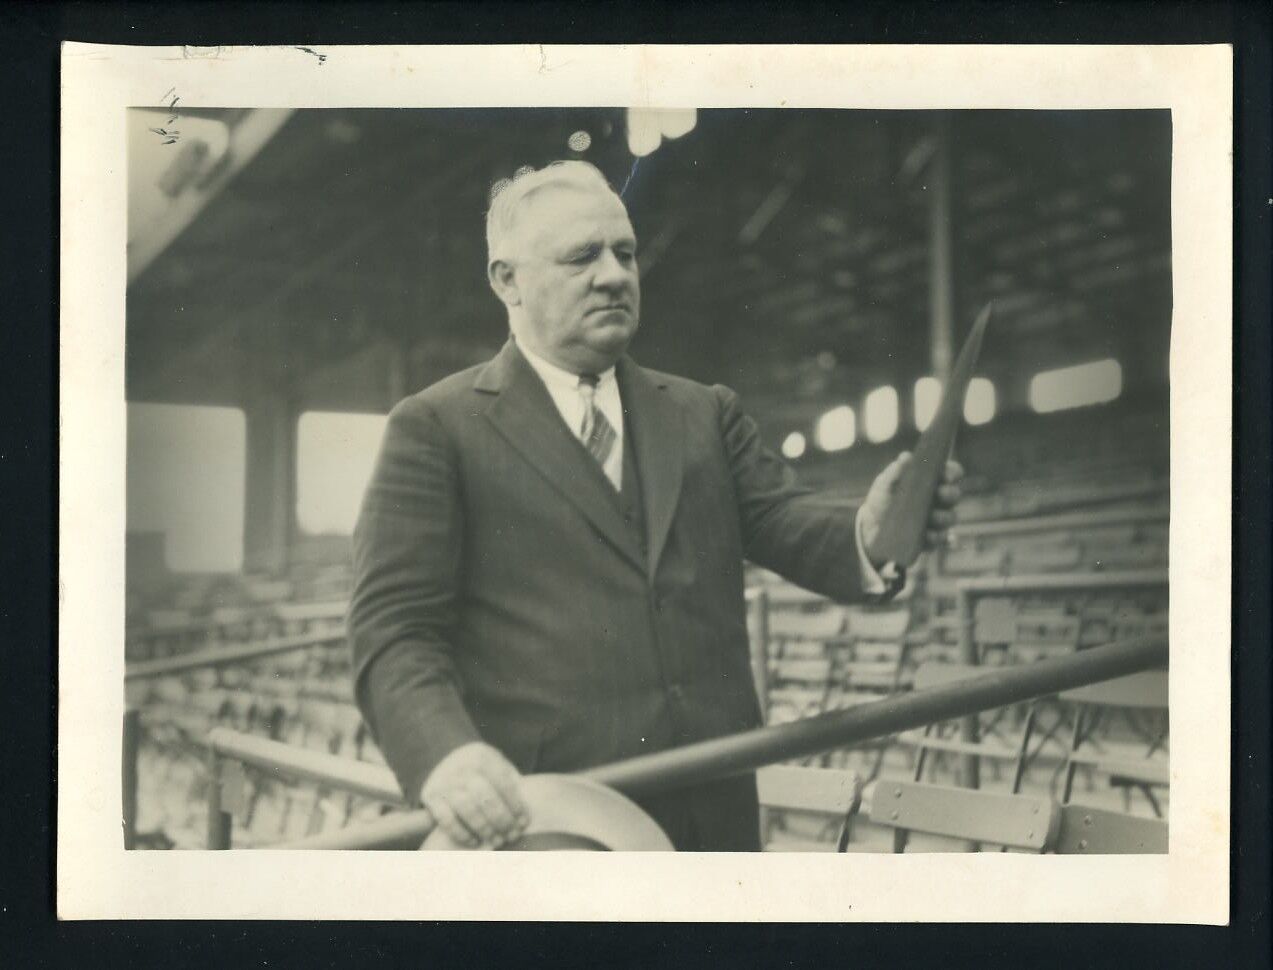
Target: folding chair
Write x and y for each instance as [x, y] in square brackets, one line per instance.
[1046, 558]
[831, 793]
[876, 649]
[1095, 831]
[799, 666]
[1024, 823]
[1044, 634]
[1143, 692]
[935, 737]
[968, 560]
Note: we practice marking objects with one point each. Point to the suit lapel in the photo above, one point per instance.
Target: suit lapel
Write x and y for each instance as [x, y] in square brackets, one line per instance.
[524, 414]
[658, 440]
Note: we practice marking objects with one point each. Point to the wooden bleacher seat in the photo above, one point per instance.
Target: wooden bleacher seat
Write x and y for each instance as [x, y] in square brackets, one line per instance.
[262, 696]
[824, 797]
[979, 508]
[350, 731]
[299, 617]
[872, 655]
[944, 738]
[268, 590]
[271, 718]
[815, 671]
[832, 657]
[1096, 538]
[822, 656]
[874, 667]
[890, 624]
[333, 688]
[785, 596]
[786, 704]
[940, 626]
[1027, 823]
[994, 620]
[201, 679]
[798, 650]
[170, 620]
[267, 812]
[239, 709]
[939, 589]
[970, 561]
[1046, 558]
[1042, 635]
[1130, 555]
[806, 625]
[1143, 692]
[1094, 831]
[287, 666]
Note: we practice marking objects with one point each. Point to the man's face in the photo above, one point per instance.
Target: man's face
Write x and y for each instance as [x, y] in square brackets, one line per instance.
[575, 269]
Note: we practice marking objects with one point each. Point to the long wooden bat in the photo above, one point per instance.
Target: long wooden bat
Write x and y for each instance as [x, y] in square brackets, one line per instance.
[901, 535]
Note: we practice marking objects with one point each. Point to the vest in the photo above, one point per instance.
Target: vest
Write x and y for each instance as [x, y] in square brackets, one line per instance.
[630, 500]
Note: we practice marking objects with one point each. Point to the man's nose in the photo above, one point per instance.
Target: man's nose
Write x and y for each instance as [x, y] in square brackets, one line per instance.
[612, 272]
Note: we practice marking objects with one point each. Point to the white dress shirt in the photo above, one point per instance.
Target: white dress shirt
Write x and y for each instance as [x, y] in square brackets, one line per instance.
[563, 388]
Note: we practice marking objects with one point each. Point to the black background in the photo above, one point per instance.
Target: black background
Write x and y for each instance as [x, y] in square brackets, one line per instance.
[29, 933]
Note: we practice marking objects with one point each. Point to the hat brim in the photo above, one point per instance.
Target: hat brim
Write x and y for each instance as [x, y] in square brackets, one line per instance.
[584, 814]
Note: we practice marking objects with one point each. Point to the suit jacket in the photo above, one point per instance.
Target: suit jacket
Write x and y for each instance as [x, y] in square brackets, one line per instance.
[499, 594]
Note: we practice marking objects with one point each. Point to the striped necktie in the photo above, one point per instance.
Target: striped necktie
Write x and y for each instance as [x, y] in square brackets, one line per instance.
[596, 433]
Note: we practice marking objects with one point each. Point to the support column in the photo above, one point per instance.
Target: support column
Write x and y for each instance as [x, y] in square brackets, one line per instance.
[269, 520]
[942, 303]
[941, 269]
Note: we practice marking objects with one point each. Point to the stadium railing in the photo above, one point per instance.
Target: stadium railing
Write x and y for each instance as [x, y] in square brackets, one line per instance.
[703, 761]
[213, 657]
[1031, 525]
[969, 591]
[207, 659]
[248, 624]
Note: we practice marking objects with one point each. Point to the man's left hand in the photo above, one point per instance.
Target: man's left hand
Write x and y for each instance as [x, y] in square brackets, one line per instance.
[881, 496]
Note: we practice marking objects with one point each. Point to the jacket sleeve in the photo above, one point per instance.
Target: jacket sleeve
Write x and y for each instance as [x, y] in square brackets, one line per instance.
[407, 554]
[806, 537]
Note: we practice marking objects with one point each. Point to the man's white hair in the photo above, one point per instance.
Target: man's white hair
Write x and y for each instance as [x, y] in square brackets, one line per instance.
[507, 195]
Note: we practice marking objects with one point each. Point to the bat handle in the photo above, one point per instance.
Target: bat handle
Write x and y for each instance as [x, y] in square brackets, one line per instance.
[894, 577]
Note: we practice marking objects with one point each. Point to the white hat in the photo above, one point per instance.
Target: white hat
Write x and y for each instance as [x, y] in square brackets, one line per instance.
[570, 812]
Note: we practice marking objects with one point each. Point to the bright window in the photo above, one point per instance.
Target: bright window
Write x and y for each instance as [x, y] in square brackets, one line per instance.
[1076, 387]
[927, 397]
[794, 445]
[186, 476]
[335, 454]
[879, 414]
[837, 429]
[979, 401]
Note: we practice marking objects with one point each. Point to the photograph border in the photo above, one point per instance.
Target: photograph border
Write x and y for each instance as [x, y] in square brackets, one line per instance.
[1191, 886]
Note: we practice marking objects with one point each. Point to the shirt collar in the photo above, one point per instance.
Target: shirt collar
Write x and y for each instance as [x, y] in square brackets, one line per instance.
[556, 376]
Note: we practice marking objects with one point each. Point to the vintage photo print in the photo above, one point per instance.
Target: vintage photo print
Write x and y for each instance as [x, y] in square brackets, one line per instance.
[801, 472]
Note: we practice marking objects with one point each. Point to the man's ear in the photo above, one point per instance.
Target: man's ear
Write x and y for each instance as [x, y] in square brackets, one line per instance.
[503, 281]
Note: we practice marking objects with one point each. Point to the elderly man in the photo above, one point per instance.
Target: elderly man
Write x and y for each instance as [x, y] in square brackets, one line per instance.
[549, 557]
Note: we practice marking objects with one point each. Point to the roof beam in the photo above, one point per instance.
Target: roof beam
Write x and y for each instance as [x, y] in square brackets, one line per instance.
[247, 138]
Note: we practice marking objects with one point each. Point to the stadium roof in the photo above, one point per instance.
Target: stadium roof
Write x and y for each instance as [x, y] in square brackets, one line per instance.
[785, 252]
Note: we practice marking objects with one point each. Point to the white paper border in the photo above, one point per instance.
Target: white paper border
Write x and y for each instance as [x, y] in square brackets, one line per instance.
[97, 879]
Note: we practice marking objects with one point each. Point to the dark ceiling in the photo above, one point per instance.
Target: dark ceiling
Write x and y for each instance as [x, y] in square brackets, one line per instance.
[785, 252]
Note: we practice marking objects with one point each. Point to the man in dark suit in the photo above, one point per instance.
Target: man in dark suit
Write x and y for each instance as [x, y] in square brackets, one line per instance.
[549, 557]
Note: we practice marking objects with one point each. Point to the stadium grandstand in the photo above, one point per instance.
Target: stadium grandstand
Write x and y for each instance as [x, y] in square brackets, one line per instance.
[295, 274]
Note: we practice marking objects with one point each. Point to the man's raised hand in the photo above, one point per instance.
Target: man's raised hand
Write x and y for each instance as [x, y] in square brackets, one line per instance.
[941, 516]
[474, 796]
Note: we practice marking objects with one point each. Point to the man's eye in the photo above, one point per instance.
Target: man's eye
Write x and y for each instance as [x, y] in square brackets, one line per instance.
[582, 256]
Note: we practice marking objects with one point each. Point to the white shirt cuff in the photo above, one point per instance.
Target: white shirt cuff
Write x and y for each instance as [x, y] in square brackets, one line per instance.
[872, 582]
